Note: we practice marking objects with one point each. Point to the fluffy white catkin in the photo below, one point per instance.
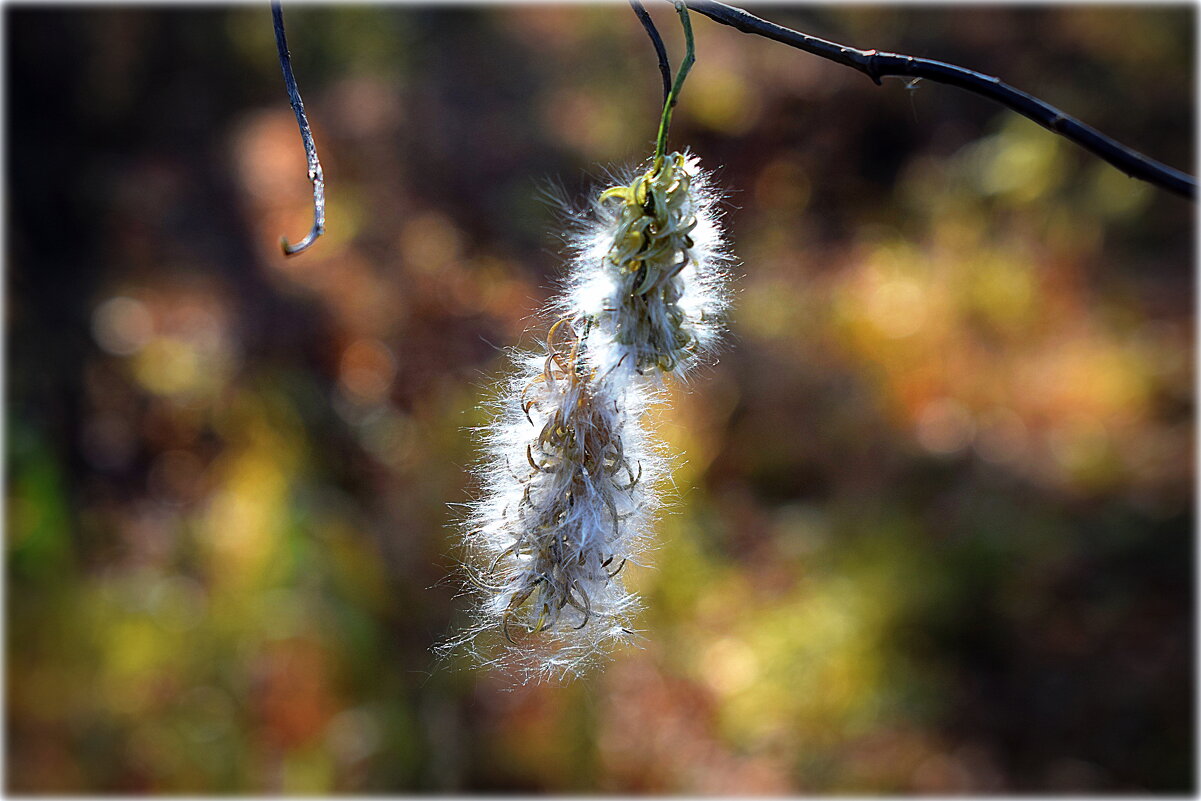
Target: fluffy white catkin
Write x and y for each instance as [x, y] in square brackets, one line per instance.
[568, 494]
[570, 481]
[651, 270]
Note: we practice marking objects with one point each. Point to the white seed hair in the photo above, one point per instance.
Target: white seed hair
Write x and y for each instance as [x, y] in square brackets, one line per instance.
[652, 268]
[570, 482]
[568, 494]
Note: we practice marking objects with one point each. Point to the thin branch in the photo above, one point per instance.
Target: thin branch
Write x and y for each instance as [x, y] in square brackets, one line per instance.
[310, 147]
[674, 95]
[657, 41]
[877, 65]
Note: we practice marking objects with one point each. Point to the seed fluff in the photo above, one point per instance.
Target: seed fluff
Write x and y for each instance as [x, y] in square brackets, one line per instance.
[651, 269]
[568, 493]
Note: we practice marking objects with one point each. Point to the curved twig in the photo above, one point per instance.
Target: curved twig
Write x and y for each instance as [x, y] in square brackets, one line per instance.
[657, 41]
[310, 147]
[877, 65]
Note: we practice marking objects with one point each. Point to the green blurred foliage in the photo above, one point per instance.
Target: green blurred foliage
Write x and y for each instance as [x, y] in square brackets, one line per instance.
[931, 529]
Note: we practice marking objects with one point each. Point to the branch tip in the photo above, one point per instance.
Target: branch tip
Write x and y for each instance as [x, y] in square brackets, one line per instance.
[316, 176]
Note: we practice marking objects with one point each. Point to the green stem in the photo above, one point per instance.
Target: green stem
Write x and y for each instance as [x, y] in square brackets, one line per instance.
[685, 65]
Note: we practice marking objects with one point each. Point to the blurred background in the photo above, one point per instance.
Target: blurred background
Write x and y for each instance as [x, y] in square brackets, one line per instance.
[932, 524]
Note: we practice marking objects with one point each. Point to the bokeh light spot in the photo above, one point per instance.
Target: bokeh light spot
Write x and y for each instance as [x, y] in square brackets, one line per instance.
[367, 369]
[945, 426]
[122, 325]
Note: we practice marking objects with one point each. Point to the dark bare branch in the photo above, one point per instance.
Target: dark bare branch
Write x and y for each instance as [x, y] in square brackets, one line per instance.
[657, 41]
[310, 147]
[877, 65]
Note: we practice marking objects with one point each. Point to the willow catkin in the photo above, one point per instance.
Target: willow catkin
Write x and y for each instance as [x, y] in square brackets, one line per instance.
[570, 482]
[568, 491]
[651, 270]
